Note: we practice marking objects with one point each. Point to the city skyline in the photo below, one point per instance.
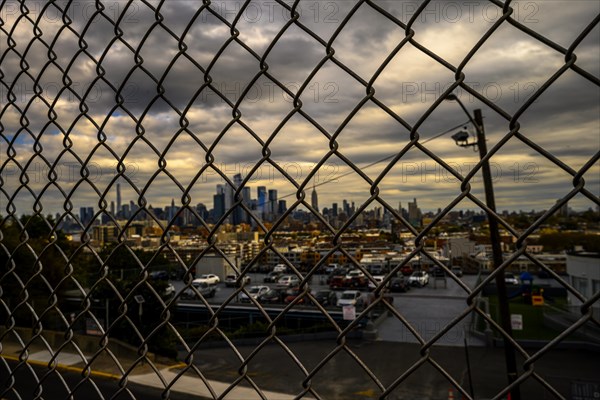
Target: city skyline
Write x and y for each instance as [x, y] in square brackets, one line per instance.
[267, 210]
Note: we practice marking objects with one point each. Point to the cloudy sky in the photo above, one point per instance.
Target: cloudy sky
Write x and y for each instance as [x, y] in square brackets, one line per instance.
[177, 82]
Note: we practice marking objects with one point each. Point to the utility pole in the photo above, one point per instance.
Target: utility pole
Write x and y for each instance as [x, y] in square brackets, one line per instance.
[461, 139]
[509, 351]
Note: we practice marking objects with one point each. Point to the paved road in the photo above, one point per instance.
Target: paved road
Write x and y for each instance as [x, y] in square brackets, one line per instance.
[343, 378]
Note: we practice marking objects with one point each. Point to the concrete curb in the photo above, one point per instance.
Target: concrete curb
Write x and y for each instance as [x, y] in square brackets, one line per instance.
[64, 367]
[81, 370]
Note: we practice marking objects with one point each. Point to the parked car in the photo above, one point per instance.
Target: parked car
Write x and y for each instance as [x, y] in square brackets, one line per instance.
[375, 269]
[331, 268]
[336, 282]
[340, 272]
[281, 268]
[272, 296]
[203, 288]
[355, 273]
[406, 270]
[457, 271]
[511, 279]
[350, 298]
[326, 297]
[419, 278]
[169, 290]
[272, 277]
[291, 295]
[159, 275]
[232, 281]
[288, 281]
[253, 292]
[438, 272]
[378, 279]
[399, 285]
[211, 279]
[355, 279]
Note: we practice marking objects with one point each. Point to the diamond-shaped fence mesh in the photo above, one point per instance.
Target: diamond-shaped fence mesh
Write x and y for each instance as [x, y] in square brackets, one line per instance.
[111, 109]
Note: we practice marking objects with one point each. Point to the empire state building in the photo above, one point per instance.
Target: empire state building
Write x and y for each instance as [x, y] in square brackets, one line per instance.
[314, 200]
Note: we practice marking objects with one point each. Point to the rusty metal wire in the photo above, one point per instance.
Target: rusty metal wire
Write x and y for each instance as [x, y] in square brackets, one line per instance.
[17, 17]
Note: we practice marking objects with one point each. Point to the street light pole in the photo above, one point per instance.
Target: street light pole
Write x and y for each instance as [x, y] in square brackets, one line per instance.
[505, 323]
[509, 351]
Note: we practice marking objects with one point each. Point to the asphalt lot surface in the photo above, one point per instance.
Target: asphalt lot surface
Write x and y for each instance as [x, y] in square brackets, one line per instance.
[428, 310]
[343, 378]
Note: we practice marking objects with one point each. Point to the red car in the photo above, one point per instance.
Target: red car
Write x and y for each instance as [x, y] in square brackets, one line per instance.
[337, 282]
[292, 294]
[406, 270]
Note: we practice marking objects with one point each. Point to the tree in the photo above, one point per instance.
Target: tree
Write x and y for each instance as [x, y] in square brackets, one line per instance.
[33, 265]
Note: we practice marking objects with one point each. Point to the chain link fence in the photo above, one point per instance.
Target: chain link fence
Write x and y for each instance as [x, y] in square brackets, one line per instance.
[156, 100]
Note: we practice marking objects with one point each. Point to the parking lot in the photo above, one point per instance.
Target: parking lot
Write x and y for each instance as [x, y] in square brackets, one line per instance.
[427, 309]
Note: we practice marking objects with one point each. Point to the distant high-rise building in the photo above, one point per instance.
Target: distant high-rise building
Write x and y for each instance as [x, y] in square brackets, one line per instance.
[86, 215]
[83, 215]
[247, 199]
[132, 206]
[218, 205]
[227, 192]
[272, 202]
[414, 214]
[170, 210]
[334, 210]
[261, 194]
[314, 200]
[281, 207]
[202, 211]
[118, 198]
[239, 214]
[112, 208]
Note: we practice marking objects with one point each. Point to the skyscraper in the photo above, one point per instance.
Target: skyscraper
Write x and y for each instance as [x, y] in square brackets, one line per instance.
[218, 205]
[261, 193]
[247, 199]
[86, 215]
[272, 202]
[239, 214]
[314, 199]
[282, 207]
[414, 214]
[225, 199]
[118, 198]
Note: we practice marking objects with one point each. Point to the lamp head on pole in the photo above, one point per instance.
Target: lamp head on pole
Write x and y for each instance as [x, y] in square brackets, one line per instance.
[461, 138]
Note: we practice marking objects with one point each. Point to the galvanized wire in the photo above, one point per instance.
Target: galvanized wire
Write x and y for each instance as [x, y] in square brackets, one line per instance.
[14, 156]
